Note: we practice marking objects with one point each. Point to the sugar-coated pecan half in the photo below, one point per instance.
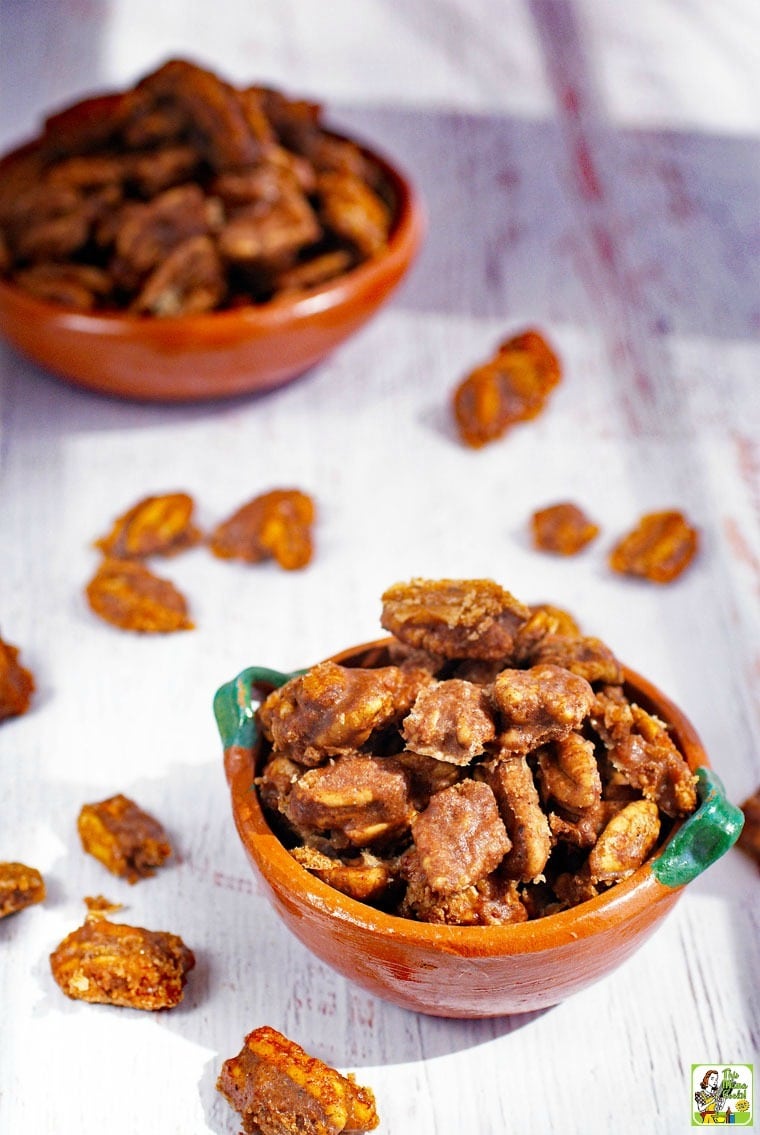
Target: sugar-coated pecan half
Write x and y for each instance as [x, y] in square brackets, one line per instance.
[16, 682]
[451, 721]
[159, 525]
[278, 1089]
[126, 594]
[20, 886]
[460, 837]
[541, 704]
[277, 525]
[127, 840]
[454, 618]
[114, 964]
[512, 784]
[625, 843]
[562, 529]
[659, 548]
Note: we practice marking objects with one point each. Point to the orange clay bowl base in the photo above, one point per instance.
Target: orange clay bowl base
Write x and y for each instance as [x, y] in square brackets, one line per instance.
[469, 971]
[218, 354]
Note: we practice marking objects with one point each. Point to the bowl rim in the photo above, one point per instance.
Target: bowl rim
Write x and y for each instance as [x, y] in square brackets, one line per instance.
[280, 870]
[405, 238]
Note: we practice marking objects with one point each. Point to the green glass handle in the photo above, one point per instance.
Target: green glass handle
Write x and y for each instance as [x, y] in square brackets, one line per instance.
[234, 706]
[707, 834]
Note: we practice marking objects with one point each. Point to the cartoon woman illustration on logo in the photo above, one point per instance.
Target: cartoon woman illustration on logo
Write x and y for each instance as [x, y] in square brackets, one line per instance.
[710, 1100]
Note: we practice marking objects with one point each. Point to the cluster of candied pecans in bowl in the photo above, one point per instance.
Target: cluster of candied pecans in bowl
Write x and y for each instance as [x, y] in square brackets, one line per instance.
[494, 771]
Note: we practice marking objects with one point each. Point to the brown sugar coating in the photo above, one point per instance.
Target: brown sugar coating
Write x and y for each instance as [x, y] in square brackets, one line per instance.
[450, 721]
[511, 781]
[16, 683]
[126, 840]
[642, 751]
[20, 886]
[454, 618]
[278, 1089]
[128, 595]
[155, 526]
[332, 709]
[563, 529]
[460, 837]
[511, 387]
[186, 194]
[544, 703]
[496, 771]
[749, 840]
[659, 548]
[362, 801]
[276, 525]
[114, 964]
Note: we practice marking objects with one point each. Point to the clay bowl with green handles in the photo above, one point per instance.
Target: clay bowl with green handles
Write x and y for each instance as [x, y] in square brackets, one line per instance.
[470, 971]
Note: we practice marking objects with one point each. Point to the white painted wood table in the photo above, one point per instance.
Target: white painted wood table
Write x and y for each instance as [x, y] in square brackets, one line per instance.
[591, 168]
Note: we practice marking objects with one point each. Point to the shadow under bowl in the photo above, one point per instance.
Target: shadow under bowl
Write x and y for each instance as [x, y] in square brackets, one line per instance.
[470, 971]
[218, 354]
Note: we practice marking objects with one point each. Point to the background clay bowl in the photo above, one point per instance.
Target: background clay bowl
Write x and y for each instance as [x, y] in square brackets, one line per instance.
[453, 971]
[219, 354]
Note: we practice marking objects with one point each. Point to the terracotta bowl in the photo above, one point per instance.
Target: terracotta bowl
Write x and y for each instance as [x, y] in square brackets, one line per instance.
[219, 354]
[470, 971]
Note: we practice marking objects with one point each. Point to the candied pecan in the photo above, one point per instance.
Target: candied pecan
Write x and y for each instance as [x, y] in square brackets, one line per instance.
[146, 124]
[278, 1089]
[625, 842]
[544, 620]
[366, 878]
[426, 776]
[127, 595]
[85, 173]
[191, 280]
[512, 387]
[451, 721]
[359, 800]
[81, 127]
[460, 837]
[563, 529]
[581, 826]
[454, 618]
[512, 784]
[544, 703]
[568, 773]
[111, 963]
[749, 840]
[492, 901]
[332, 709]
[156, 170]
[52, 238]
[211, 107]
[276, 780]
[149, 232]
[584, 655]
[269, 232]
[125, 839]
[351, 209]
[16, 683]
[99, 906]
[20, 886]
[648, 759]
[78, 286]
[659, 548]
[155, 526]
[572, 889]
[275, 525]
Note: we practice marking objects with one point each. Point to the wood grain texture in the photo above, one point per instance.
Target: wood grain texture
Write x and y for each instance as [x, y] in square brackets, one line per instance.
[589, 170]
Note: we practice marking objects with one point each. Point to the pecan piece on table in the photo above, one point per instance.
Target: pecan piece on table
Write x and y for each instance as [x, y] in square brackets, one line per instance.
[454, 618]
[275, 525]
[111, 963]
[511, 387]
[20, 886]
[16, 682]
[563, 529]
[277, 1088]
[155, 526]
[126, 594]
[126, 840]
[659, 548]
